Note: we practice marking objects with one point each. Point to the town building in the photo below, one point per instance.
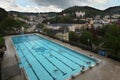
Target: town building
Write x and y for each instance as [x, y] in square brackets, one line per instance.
[61, 34]
[71, 27]
[80, 14]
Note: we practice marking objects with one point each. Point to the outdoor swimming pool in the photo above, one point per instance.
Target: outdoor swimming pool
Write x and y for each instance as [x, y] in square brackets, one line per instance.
[43, 59]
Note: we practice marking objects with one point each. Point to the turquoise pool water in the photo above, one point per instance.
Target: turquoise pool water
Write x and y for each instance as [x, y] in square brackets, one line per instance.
[43, 59]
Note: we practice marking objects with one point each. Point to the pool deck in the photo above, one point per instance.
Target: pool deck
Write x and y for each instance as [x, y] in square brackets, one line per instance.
[9, 64]
[108, 69]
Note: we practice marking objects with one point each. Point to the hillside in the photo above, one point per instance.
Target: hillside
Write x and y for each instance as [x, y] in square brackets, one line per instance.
[113, 10]
[24, 14]
[8, 24]
[90, 12]
[3, 14]
[21, 13]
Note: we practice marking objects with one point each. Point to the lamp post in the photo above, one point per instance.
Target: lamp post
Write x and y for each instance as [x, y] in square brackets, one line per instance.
[88, 41]
[22, 29]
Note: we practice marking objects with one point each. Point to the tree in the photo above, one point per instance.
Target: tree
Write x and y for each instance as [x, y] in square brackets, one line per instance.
[10, 25]
[101, 30]
[40, 26]
[48, 31]
[1, 41]
[73, 36]
[86, 37]
[112, 42]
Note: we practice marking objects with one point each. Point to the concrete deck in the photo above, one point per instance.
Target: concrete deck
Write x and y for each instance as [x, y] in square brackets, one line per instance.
[108, 69]
[9, 65]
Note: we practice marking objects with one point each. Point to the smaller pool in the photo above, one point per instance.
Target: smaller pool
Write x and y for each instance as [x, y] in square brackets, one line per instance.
[43, 59]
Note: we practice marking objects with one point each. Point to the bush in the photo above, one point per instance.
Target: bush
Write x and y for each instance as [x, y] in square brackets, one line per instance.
[1, 42]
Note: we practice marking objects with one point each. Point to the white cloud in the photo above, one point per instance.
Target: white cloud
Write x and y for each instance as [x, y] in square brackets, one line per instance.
[10, 5]
[101, 1]
[37, 9]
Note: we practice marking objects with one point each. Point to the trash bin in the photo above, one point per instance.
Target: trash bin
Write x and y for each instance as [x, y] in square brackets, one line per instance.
[102, 52]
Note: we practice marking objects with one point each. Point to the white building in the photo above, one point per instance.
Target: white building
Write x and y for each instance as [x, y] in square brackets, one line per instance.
[61, 34]
[15, 16]
[80, 14]
[97, 17]
[71, 27]
[98, 23]
[106, 17]
[116, 16]
[57, 26]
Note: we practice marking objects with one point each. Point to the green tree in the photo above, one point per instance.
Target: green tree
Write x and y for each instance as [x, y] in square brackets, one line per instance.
[73, 36]
[86, 37]
[10, 25]
[48, 31]
[1, 41]
[112, 42]
[40, 26]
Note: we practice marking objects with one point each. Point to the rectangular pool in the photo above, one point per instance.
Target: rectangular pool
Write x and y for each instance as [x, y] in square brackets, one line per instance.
[43, 59]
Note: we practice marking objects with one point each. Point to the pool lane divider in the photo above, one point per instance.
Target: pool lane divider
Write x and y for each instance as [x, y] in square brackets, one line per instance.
[29, 63]
[40, 63]
[54, 65]
[64, 63]
[56, 44]
[18, 60]
[66, 52]
[71, 60]
[60, 61]
[65, 56]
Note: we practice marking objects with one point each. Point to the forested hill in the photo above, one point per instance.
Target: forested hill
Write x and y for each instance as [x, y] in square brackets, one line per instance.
[89, 11]
[21, 14]
[113, 10]
[70, 16]
[8, 24]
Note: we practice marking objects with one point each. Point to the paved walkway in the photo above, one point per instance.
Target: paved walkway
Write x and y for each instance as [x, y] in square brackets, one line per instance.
[108, 69]
[9, 65]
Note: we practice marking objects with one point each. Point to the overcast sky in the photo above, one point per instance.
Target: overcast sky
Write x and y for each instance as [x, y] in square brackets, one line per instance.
[53, 5]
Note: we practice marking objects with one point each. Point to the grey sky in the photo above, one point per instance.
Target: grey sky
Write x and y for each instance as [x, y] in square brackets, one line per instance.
[60, 3]
[53, 5]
